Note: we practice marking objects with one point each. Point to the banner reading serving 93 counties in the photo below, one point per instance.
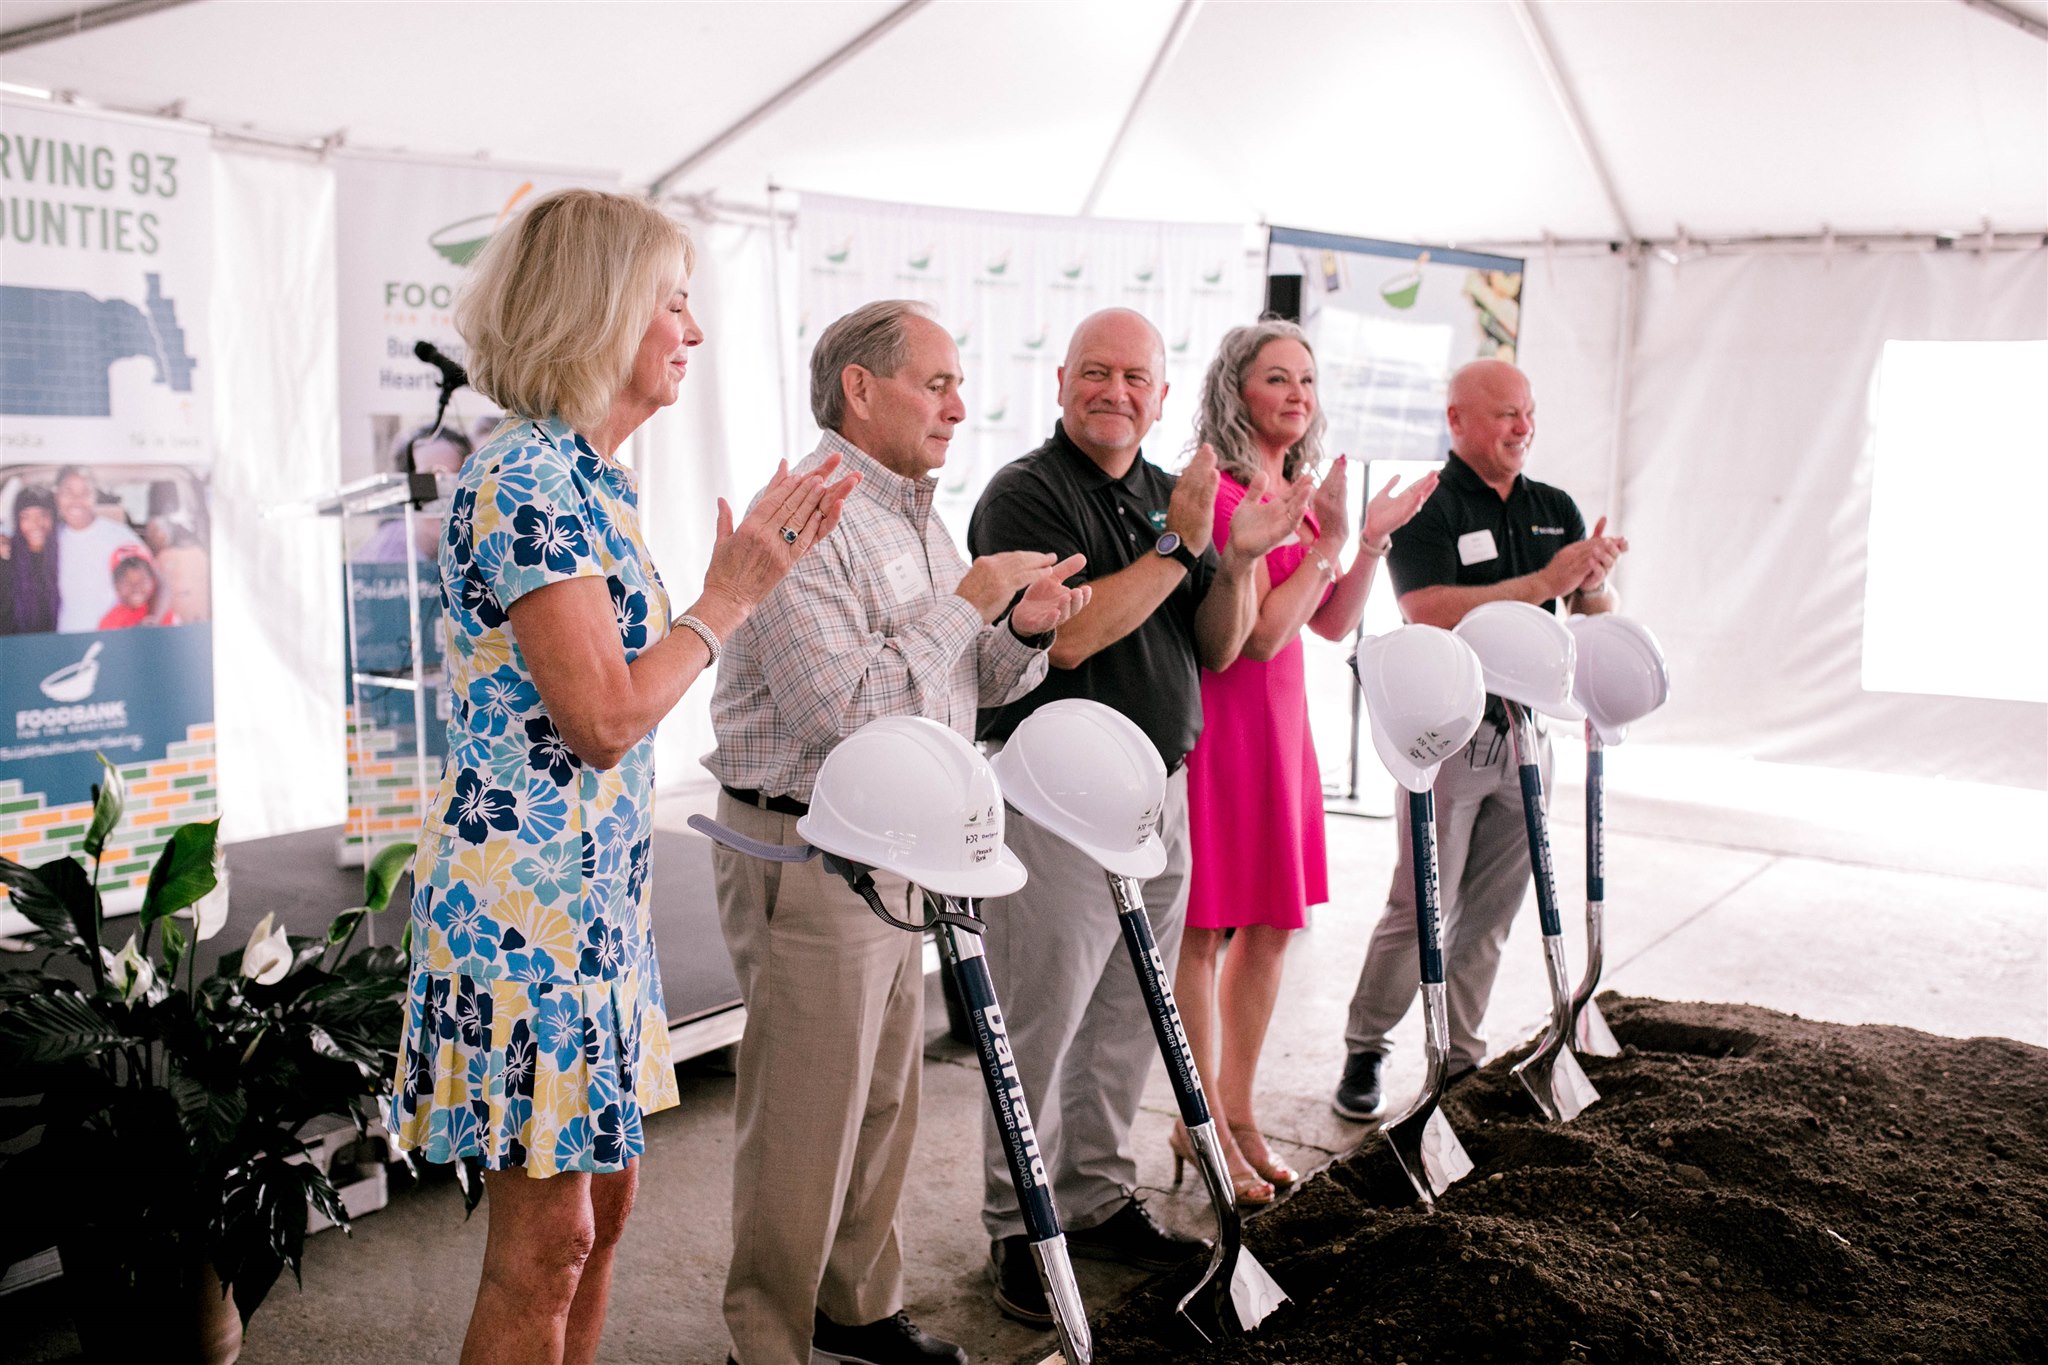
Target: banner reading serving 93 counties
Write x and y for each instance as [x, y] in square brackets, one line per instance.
[105, 450]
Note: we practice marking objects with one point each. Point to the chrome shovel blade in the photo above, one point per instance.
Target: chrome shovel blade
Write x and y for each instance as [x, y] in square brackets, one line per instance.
[1427, 1147]
[1429, 1152]
[1592, 1036]
[1554, 1079]
[1253, 1294]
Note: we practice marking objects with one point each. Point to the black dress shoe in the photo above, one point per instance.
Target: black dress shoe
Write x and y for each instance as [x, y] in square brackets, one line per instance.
[892, 1341]
[1359, 1095]
[1132, 1236]
[1019, 1295]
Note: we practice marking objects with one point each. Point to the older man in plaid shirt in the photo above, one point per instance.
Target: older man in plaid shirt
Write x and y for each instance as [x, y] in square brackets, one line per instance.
[883, 618]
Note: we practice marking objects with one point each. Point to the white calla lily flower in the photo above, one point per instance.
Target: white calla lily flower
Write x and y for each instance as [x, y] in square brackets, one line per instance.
[268, 956]
[131, 973]
[210, 911]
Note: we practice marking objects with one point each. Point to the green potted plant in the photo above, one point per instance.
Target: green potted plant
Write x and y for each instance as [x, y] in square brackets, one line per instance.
[154, 1114]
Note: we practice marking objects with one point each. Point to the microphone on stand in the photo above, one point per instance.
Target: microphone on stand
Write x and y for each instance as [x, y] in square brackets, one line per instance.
[453, 376]
[424, 488]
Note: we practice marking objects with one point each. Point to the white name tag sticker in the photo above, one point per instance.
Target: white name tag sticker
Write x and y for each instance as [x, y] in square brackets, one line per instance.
[1476, 547]
[905, 578]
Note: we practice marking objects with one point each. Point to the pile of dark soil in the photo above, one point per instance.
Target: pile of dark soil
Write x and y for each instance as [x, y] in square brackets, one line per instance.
[1751, 1187]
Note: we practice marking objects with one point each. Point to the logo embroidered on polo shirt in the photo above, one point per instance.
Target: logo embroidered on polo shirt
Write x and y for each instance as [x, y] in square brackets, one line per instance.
[1546, 530]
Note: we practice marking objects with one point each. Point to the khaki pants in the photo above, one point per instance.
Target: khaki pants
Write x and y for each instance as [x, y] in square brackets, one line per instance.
[1482, 857]
[1078, 1024]
[825, 1104]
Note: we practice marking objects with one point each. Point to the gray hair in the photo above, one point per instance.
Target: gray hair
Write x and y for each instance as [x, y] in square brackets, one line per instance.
[873, 337]
[1224, 422]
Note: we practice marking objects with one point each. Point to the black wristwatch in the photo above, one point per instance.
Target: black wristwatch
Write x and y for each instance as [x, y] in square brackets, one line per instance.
[1042, 640]
[1168, 546]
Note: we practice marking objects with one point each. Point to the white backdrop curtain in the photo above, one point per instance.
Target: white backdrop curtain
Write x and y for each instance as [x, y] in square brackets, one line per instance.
[1747, 501]
[276, 577]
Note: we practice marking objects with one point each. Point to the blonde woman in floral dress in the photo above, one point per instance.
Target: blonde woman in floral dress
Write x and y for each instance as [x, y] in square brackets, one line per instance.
[535, 1039]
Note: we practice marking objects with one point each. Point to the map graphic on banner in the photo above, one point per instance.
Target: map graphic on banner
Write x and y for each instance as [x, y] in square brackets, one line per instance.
[106, 641]
[57, 347]
[1011, 288]
[408, 230]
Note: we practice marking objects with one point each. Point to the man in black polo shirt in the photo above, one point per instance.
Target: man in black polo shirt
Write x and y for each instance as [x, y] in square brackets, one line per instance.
[1487, 534]
[1165, 604]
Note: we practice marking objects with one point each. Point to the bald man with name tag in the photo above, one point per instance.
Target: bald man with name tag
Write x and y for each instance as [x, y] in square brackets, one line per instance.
[1489, 533]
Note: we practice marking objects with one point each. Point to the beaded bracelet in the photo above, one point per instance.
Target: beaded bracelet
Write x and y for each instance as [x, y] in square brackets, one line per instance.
[702, 632]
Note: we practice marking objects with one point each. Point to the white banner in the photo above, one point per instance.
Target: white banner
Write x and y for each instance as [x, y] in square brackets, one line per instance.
[406, 228]
[1011, 287]
[106, 448]
[109, 258]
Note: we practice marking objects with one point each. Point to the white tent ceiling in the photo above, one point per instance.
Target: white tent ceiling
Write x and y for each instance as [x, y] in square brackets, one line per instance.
[1425, 121]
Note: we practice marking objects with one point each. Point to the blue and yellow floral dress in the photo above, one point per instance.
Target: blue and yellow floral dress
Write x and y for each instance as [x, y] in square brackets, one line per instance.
[535, 1034]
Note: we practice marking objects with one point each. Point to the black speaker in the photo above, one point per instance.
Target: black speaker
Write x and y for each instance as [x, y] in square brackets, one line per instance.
[1283, 297]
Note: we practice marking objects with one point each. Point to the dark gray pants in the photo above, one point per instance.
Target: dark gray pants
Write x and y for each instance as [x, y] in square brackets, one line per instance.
[1078, 1024]
[1483, 874]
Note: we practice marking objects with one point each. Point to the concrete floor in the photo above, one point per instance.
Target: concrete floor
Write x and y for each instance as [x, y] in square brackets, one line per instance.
[1838, 897]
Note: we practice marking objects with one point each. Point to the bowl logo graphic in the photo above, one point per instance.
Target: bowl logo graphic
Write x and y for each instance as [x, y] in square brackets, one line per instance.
[74, 682]
[999, 264]
[839, 257]
[459, 242]
[1214, 275]
[923, 260]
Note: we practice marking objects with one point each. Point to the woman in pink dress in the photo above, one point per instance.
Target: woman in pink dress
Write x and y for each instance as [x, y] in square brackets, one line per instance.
[1255, 796]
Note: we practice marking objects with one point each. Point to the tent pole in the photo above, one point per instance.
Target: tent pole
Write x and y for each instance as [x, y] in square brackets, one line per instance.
[1183, 19]
[81, 20]
[846, 52]
[1624, 370]
[2025, 23]
[775, 302]
[1568, 105]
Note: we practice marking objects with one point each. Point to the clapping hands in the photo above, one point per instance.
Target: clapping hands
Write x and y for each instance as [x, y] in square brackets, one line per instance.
[793, 513]
[1393, 506]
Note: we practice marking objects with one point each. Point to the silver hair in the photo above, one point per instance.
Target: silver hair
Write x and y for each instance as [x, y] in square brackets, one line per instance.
[1224, 422]
[873, 337]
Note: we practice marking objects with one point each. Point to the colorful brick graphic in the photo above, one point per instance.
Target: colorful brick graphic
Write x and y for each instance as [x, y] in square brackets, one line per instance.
[385, 798]
[177, 789]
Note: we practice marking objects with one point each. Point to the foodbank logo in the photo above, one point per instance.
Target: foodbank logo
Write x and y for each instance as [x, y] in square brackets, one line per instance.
[459, 242]
[837, 255]
[999, 266]
[921, 260]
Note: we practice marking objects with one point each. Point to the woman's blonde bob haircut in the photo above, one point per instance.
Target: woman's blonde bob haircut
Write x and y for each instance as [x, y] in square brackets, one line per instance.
[1223, 420]
[555, 307]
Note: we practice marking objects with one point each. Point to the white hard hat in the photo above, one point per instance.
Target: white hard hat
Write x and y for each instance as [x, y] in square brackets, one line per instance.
[1424, 697]
[913, 797]
[1089, 775]
[1621, 676]
[1526, 654]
